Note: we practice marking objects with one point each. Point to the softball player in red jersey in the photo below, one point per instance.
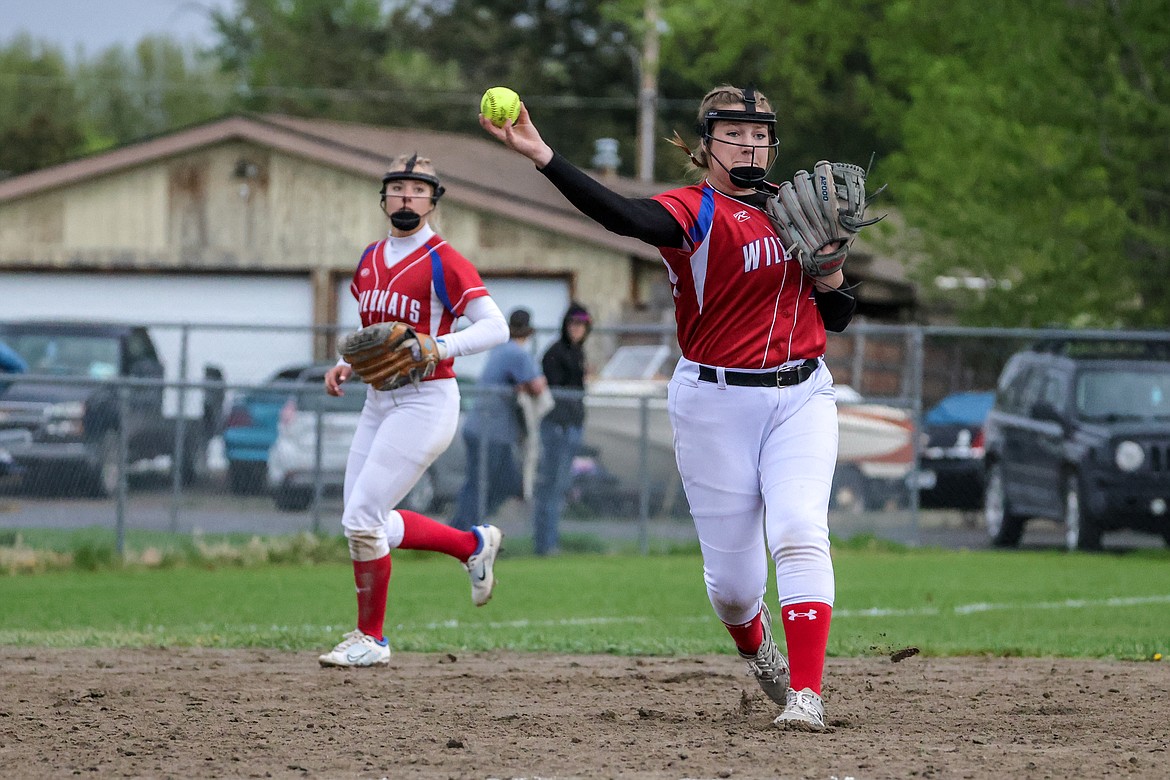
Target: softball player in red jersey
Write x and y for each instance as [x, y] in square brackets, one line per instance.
[413, 276]
[751, 401]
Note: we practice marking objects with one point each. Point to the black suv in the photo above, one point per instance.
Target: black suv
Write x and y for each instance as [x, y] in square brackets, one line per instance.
[1080, 434]
[66, 435]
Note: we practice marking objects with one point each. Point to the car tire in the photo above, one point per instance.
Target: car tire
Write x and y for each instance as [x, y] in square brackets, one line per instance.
[422, 496]
[103, 469]
[245, 477]
[848, 493]
[1081, 529]
[293, 499]
[1004, 527]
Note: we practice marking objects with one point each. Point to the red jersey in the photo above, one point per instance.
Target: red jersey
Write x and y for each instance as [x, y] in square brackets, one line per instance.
[427, 288]
[740, 300]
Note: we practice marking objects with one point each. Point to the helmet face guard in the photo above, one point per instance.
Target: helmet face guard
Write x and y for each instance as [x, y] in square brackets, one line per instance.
[743, 176]
[410, 173]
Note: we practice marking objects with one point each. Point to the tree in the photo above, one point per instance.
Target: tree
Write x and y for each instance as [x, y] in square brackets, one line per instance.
[330, 58]
[156, 86]
[39, 126]
[1034, 154]
[574, 66]
[810, 58]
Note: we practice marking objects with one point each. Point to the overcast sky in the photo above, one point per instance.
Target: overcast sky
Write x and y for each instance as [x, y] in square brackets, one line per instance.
[97, 24]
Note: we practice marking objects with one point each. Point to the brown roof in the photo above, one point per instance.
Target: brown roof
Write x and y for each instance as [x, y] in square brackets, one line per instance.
[479, 173]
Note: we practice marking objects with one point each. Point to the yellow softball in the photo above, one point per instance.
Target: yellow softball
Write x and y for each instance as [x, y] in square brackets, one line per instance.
[1157, 656]
[500, 105]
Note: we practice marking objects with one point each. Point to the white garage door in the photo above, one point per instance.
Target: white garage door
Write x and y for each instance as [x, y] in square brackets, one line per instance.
[546, 299]
[164, 301]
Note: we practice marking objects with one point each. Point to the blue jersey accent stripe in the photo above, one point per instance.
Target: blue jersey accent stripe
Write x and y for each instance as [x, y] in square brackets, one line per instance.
[706, 216]
[438, 280]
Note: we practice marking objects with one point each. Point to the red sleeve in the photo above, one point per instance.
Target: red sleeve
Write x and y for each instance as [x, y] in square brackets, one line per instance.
[683, 205]
[353, 287]
[462, 280]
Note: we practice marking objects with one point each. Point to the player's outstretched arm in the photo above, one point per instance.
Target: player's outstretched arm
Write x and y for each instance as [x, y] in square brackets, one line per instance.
[521, 136]
[640, 218]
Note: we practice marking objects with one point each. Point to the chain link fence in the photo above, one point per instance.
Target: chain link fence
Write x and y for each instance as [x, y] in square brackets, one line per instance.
[210, 437]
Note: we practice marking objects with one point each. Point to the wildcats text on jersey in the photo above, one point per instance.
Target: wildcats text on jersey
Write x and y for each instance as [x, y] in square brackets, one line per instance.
[768, 249]
[391, 304]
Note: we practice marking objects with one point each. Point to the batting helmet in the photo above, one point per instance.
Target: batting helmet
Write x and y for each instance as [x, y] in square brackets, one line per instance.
[415, 168]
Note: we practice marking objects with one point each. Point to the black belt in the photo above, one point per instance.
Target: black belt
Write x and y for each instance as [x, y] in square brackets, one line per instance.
[783, 377]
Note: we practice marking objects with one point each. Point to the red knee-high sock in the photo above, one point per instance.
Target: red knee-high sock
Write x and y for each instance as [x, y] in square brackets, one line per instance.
[806, 630]
[422, 533]
[749, 636]
[372, 579]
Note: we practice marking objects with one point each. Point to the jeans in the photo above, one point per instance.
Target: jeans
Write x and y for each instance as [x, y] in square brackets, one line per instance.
[503, 481]
[554, 475]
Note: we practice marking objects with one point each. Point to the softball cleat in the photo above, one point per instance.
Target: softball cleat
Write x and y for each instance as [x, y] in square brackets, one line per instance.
[358, 649]
[768, 665]
[479, 566]
[804, 712]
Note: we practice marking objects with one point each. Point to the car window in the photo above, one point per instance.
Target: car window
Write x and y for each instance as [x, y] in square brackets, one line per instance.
[95, 356]
[1013, 386]
[1124, 393]
[288, 374]
[640, 361]
[270, 395]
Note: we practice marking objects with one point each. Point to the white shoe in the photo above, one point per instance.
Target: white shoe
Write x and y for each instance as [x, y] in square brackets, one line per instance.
[358, 649]
[804, 711]
[479, 566]
[768, 665]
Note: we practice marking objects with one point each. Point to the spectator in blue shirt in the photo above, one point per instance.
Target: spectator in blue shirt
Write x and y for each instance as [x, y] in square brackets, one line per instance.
[492, 429]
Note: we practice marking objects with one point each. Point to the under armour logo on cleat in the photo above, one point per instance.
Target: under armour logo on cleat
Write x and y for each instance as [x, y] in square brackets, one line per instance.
[793, 614]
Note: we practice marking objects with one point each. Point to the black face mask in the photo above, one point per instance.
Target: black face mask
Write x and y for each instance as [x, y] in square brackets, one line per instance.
[746, 177]
[405, 219]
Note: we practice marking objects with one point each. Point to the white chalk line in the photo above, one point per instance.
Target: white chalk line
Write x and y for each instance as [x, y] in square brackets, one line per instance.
[873, 612]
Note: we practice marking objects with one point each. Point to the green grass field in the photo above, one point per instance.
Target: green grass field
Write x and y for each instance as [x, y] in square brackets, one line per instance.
[942, 602]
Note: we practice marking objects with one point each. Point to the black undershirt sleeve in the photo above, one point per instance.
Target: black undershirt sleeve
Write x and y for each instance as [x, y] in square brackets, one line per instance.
[836, 307]
[648, 220]
[641, 218]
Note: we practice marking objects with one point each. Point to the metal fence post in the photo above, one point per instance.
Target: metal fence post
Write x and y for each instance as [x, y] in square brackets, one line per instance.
[857, 362]
[318, 454]
[123, 454]
[481, 486]
[917, 357]
[644, 476]
[180, 430]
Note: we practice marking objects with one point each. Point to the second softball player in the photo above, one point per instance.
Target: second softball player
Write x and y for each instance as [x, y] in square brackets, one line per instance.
[413, 276]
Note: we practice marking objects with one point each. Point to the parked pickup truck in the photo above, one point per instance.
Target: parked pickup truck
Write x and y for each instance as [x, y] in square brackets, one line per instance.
[65, 436]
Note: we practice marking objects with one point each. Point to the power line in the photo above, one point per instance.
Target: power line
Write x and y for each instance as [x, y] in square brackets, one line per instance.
[340, 94]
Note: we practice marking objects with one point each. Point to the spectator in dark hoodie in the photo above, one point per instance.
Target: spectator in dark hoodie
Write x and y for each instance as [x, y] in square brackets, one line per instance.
[561, 428]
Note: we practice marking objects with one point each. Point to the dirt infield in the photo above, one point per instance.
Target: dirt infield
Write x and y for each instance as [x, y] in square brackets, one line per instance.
[258, 713]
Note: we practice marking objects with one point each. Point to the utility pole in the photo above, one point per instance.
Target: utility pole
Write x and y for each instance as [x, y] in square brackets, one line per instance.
[648, 92]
